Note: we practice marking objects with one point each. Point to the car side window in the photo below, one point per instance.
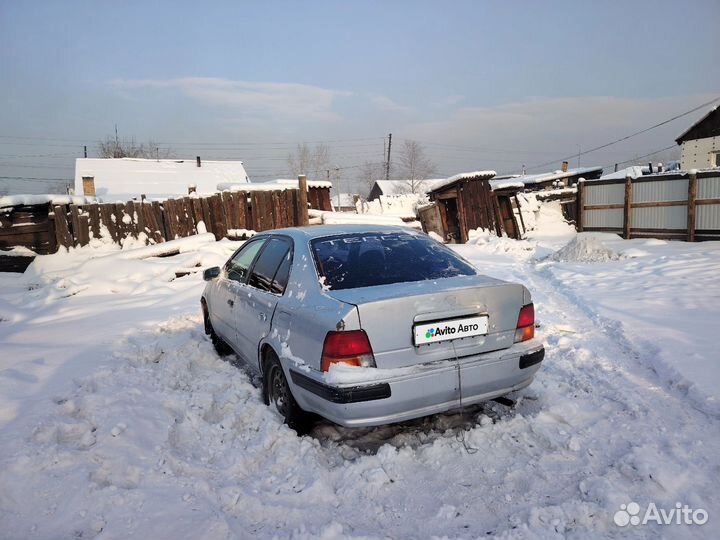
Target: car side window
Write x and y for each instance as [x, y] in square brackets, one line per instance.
[237, 267]
[272, 257]
[282, 275]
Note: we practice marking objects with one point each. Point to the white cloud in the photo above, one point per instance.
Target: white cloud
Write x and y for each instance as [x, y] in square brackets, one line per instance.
[284, 101]
[384, 103]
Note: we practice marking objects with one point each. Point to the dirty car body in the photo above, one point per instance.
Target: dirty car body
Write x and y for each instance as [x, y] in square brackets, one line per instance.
[372, 324]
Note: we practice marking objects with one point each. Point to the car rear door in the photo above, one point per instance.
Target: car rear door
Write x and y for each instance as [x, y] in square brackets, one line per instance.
[226, 290]
[265, 286]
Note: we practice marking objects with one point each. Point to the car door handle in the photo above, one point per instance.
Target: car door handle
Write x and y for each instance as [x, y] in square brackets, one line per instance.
[231, 303]
[262, 317]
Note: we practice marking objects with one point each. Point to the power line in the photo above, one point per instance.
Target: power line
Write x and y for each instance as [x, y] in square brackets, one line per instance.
[462, 148]
[621, 139]
[33, 179]
[643, 156]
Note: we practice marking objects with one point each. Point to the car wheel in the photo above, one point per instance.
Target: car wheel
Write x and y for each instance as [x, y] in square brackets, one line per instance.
[222, 348]
[278, 396]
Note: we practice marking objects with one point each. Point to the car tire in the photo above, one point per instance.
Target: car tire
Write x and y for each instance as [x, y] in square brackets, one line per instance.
[277, 394]
[222, 348]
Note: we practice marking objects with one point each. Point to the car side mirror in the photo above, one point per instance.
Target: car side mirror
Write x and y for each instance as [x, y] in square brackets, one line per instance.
[211, 273]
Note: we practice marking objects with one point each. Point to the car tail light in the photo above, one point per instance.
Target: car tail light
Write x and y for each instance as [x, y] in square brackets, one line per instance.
[349, 347]
[525, 324]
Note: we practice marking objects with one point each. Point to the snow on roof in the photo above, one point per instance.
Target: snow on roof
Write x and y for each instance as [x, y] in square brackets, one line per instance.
[634, 171]
[21, 200]
[556, 175]
[440, 184]
[496, 185]
[402, 187]
[272, 185]
[294, 182]
[506, 181]
[127, 178]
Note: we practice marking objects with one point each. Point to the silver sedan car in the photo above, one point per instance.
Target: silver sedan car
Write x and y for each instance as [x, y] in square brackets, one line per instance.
[368, 325]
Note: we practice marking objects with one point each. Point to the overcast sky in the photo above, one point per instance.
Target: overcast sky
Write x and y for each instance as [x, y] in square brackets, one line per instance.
[485, 85]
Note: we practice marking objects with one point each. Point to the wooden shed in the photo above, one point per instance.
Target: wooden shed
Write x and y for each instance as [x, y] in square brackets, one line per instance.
[465, 202]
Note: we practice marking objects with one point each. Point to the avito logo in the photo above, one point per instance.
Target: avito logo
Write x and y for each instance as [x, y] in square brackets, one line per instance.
[450, 330]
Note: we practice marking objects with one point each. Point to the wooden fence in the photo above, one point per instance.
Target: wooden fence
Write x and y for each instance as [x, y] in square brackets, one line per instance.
[43, 228]
[680, 206]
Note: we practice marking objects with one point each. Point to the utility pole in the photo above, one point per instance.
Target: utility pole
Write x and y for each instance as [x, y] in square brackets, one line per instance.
[337, 179]
[117, 143]
[387, 164]
[85, 150]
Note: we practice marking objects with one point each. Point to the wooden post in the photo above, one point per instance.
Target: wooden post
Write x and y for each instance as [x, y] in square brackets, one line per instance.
[62, 228]
[627, 210]
[580, 206]
[692, 197]
[522, 221]
[302, 201]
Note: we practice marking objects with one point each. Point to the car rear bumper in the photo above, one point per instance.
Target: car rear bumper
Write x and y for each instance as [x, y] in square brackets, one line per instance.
[414, 392]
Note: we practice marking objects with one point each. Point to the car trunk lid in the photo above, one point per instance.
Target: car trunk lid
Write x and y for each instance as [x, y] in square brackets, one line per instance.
[389, 314]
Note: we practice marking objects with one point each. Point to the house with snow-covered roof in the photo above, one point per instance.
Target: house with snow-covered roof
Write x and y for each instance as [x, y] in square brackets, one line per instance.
[123, 179]
[700, 143]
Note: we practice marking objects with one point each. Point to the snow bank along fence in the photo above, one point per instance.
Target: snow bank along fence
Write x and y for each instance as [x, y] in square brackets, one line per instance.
[229, 214]
[679, 206]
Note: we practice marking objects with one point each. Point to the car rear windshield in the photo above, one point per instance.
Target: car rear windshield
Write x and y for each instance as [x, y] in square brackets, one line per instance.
[351, 261]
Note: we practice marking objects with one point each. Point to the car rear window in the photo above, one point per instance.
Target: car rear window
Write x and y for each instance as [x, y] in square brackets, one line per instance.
[352, 261]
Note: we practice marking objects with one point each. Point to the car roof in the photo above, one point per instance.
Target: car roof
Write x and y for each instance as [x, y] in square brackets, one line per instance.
[318, 231]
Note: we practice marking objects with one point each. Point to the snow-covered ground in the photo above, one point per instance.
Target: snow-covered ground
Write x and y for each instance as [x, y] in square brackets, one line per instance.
[118, 420]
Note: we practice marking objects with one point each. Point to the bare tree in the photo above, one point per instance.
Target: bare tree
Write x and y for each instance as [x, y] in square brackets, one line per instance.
[313, 162]
[369, 172]
[113, 147]
[415, 166]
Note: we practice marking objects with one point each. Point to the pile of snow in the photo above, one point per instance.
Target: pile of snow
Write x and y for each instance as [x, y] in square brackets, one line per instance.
[338, 218]
[544, 223]
[18, 251]
[587, 248]
[490, 242]
[402, 206]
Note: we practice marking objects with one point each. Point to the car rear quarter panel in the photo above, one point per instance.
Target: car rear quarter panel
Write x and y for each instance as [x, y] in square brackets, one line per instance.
[305, 314]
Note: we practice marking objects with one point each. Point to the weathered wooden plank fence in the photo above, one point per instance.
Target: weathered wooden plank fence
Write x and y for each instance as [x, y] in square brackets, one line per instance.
[681, 206]
[43, 228]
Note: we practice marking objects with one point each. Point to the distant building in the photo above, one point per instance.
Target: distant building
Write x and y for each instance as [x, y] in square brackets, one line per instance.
[344, 202]
[399, 187]
[700, 144]
[129, 178]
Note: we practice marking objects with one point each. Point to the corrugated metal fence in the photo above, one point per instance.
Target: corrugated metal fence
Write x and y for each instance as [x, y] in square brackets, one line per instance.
[678, 206]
